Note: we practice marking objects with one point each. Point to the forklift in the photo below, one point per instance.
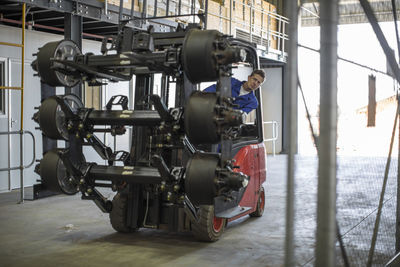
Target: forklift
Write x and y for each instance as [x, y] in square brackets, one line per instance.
[192, 166]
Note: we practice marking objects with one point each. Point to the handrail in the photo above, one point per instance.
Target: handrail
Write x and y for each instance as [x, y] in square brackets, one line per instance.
[34, 150]
[274, 134]
[261, 32]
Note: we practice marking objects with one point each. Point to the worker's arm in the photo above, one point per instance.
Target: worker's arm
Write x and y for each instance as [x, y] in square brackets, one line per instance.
[253, 104]
[211, 89]
[235, 85]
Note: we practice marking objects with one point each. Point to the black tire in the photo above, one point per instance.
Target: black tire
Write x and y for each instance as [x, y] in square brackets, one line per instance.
[55, 176]
[209, 228]
[260, 204]
[60, 50]
[118, 214]
[52, 120]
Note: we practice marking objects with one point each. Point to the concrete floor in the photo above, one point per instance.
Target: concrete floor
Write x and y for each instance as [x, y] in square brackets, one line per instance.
[67, 231]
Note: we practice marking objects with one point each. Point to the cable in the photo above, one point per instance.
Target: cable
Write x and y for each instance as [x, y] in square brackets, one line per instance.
[313, 135]
[347, 60]
[381, 38]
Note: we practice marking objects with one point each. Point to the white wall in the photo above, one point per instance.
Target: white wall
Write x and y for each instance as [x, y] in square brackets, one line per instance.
[34, 40]
[272, 106]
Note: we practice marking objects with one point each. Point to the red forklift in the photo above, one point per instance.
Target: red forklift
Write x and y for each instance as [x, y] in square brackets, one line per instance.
[193, 165]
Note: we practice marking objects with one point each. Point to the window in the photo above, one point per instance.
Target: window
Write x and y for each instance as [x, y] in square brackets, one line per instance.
[2, 92]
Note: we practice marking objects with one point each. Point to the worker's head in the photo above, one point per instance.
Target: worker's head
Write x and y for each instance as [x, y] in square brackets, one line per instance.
[255, 80]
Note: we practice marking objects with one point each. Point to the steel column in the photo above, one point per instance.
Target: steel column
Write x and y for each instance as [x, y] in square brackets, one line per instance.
[326, 208]
[397, 233]
[47, 91]
[398, 155]
[230, 16]
[289, 122]
[73, 31]
[290, 107]
[205, 14]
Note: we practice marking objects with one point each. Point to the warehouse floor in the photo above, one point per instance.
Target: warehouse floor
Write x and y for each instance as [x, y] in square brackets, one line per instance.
[67, 231]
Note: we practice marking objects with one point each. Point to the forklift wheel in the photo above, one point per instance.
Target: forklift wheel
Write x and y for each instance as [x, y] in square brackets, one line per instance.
[260, 204]
[55, 73]
[208, 228]
[55, 176]
[52, 118]
[118, 214]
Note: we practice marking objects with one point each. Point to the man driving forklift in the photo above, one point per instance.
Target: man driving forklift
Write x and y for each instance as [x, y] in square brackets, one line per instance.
[243, 91]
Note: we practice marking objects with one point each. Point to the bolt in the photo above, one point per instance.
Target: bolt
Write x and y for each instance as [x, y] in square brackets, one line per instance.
[82, 181]
[176, 188]
[89, 190]
[169, 196]
[176, 127]
[88, 136]
[162, 187]
[80, 127]
[114, 188]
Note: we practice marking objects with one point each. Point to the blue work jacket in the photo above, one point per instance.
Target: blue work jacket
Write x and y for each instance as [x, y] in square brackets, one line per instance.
[246, 102]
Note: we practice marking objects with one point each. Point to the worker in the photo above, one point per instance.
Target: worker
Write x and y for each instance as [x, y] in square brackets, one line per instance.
[242, 92]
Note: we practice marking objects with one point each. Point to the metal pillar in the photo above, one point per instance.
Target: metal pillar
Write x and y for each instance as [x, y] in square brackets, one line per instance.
[47, 91]
[290, 107]
[289, 120]
[73, 31]
[143, 87]
[205, 14]
[398, 155]
[326, 209]
[397, 233]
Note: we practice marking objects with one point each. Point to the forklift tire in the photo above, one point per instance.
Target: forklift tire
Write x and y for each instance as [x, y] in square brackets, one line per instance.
[118, 214]
[209, 228]
[55, 176]
[260, 204]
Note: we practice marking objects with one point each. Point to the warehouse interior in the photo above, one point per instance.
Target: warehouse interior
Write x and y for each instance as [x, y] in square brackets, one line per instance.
[323, 190]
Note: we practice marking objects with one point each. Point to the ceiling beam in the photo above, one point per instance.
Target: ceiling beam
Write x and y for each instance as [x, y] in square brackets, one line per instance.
[350, 12]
